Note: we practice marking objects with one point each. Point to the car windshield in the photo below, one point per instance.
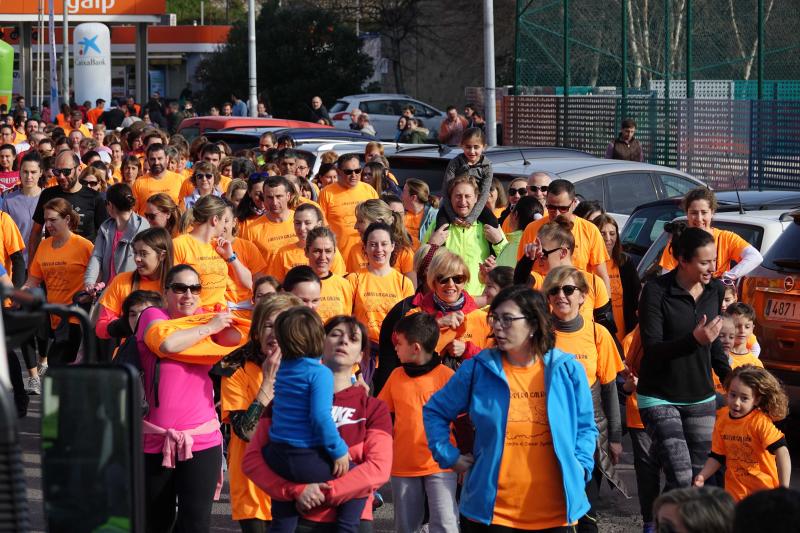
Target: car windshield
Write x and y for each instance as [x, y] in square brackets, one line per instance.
[340, 105]
[645, 225]
[784, 254]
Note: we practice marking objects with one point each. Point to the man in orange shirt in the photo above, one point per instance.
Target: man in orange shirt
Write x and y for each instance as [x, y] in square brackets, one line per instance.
[338, 201]
[590, 251]
[538, 184]
[94, 114]
[276, 228]
[76, 123]
[158, 178]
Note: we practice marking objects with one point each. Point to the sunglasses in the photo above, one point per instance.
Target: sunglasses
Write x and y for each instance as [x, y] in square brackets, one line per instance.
[351, 171]
[559, 208]
[568, 290]
[545, 253]
[458, 280]
[728, 282]
[62, 171]
[522, 191]
[534, 188]
[182, 288]
[90, 183]
[200, 176]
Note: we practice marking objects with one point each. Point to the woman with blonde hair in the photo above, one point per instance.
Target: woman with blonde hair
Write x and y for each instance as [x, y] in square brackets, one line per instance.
[94, 178]
[162, 212]
[595, 349]
[372, 211]
[236, 191]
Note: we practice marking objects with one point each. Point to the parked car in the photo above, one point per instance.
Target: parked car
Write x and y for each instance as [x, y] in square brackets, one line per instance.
[248, 138]
[647, 221]
[760, 228]
[773, 290]
[196, 126]
[384, 109]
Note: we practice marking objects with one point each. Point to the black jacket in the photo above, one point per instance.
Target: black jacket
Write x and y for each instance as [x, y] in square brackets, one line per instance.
[674, 366]
[631, 287]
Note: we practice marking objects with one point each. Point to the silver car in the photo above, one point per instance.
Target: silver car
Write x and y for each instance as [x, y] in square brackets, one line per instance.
[384, 109]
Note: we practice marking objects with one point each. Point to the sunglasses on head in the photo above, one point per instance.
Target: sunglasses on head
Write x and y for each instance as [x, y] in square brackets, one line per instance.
[62, 171]
[522, 191]
[534, 188]
[201, 176]
[182, 288]
[458, 280]
[568, 290]
[350, 172]
[559, 208]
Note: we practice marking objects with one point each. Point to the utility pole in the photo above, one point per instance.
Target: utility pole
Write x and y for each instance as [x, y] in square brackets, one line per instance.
[251, 56]
[490, 107]
[65, 57]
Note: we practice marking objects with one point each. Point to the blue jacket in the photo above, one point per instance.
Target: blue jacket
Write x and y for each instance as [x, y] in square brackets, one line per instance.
[480, 388]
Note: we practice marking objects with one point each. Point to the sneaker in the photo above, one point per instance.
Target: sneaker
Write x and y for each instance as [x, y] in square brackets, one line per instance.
[42, 369]
[33, 385]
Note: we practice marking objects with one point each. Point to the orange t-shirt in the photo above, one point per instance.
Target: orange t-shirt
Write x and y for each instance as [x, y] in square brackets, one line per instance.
[530, 486]
[616, 298]
[82, 128]
[62, 270]
[212, 268]
[207, 351]
[357, 260]
[339, 203]
[267, 235]
[290, 256]
[729, 248]
[413, 223]
[745, 359]
[146, 186]
[405, 397]
[252, 258]
[336, 297]
[121, 286]
[596, 297]
[745, 442]
[475, 329]
[595, 350]
[94, 114]
[374, 296]
[590, 250]
[506, 226]
[12, 240]
[238, 393]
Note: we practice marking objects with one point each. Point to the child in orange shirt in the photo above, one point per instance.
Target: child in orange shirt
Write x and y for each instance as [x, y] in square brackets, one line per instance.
[731, 298]
[745, 438]
[743, 318]
[415, 474]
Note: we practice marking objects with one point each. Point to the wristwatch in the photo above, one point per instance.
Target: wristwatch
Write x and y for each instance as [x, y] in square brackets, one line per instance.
[232, 258]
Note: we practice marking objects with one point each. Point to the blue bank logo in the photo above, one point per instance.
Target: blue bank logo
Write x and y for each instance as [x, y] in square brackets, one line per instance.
[88, 45]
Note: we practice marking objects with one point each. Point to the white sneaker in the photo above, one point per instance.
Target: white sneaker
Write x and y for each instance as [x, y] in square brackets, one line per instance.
[33, 385]
[42, 369]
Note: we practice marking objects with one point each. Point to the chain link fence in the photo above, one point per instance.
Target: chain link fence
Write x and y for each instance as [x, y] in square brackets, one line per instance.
[714, 85]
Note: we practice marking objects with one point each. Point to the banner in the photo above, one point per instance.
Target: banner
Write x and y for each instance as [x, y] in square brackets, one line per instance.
[6, 73]
[92, 62]
[55, 106]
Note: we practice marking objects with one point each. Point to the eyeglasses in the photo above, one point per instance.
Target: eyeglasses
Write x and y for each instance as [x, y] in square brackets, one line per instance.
[350, 172]
[90, 183]
[568, 290]
[200, 176]
[458, 280]
[522, 191]
[151, 216]
[559, 208]
[182, 288]
[503, 321]
[534, 188]
[62, 171]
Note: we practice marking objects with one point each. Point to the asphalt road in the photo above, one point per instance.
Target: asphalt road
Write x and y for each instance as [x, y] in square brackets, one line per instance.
[617, 514]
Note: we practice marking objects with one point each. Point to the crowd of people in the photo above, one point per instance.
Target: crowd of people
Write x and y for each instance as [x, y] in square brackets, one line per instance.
[324, 335]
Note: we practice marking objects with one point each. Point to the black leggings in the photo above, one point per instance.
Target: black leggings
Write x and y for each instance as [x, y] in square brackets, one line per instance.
[469, 526]
[254, 525]
[33, 347]
[65, 351]
[192, 482]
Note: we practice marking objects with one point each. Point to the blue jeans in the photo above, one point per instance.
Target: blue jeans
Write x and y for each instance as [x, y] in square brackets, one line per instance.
[306, 465]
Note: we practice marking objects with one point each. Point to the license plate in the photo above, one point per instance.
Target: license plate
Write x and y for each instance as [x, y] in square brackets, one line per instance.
[782, 310]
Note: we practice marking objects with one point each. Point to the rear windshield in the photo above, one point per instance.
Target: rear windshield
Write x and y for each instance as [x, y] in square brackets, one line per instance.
[428, 169]
[784, 255]
[645, 225]
[340, 105]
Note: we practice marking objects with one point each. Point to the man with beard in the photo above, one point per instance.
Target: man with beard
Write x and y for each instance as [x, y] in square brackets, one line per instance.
[158, 179]
[87, 202]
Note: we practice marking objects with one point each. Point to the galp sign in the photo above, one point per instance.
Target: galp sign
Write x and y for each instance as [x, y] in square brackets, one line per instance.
[103, 6]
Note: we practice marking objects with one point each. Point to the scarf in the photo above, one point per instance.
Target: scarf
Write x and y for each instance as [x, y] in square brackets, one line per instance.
[415, 371]
[568, 326]
[445, 307]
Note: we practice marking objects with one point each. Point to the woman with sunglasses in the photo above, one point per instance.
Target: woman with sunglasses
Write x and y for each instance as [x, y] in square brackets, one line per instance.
[517, 189]
[700, 205]
[205, 180]
[152, 255]
[177, 347]
[60, 262]
[421, 208]
[160, 211]
[534, 429]
[113, 247]
[94, 178]
[474, 243]
[595, 350]
[377, 288]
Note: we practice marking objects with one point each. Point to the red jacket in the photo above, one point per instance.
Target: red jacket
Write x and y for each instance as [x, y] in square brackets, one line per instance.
[424, 303]
[366, 426]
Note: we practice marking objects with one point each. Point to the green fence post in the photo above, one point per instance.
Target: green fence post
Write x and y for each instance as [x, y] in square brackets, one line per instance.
[666, 80]
[760, 49]
[689, 39]
[624, 19]
[567, 79]
[516, 48]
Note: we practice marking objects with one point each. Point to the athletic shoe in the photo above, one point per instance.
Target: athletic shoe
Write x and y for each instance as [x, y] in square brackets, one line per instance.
[33, 385]
[377, 500]
[42, 369]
